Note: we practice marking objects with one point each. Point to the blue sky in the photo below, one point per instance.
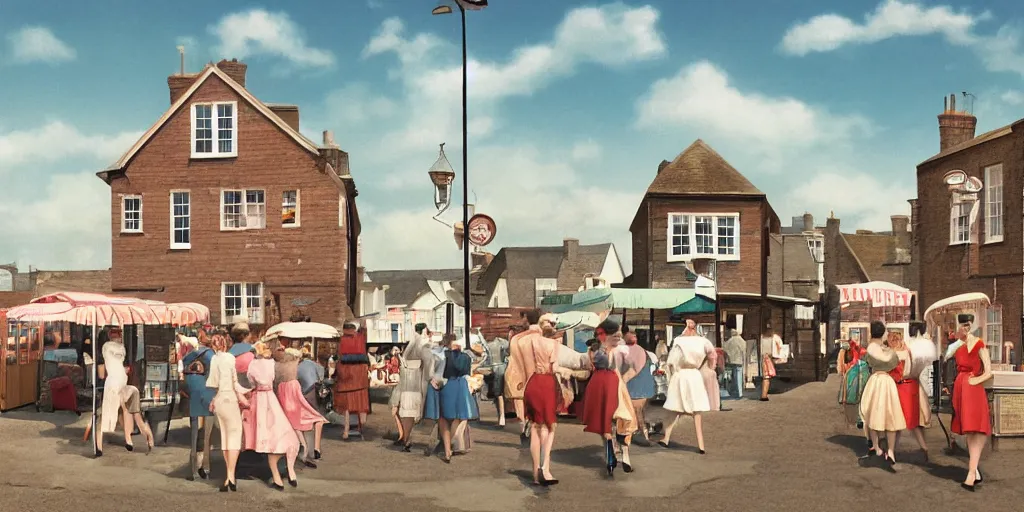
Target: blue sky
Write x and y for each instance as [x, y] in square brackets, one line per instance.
[573, 105]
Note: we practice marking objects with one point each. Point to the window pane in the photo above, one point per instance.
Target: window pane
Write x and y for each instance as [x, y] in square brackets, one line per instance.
[204, 129]
[703, 235]
[726, 235]
[225, 128]
[232, 300]
[289, 207]
[181, 213]
[131, 213]
[680, 234]
[232, 209]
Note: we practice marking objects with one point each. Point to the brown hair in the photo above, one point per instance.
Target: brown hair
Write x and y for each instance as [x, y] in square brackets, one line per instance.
[219, 341]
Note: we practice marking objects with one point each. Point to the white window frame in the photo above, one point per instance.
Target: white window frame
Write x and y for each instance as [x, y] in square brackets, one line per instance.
[124, 212]
[172, 216]
[994, 332]
[298, 209]
[544, 286]
[245, 311]
[244, 209]
[994, 205]
[342, 209]
[688, 219]
[215, 132]
[960, 210]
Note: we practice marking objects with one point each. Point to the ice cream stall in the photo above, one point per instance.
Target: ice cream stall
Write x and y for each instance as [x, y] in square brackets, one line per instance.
[862, 303]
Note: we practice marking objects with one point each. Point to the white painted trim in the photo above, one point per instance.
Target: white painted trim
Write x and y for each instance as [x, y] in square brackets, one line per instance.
[170, 204]
[214, 132]
[990, 239]
[244, 314]
[241, 91]
[298, 209]
[671, 258]
[125, 197]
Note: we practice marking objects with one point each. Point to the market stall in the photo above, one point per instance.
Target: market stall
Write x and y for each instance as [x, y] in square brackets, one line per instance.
[1005, 389]
[862, 303]
[19, 363]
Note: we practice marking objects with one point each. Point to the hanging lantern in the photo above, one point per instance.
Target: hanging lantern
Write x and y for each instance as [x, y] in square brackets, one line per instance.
[442, 175]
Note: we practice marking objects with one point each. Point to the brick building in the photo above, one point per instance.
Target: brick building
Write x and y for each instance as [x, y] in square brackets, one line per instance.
[965, 246]
[225, 203]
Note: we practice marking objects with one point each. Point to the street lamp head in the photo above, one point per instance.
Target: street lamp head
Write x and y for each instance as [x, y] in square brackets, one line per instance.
[442, 175]
[441, 9]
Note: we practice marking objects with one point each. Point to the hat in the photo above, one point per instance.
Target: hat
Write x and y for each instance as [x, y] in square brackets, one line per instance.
[965, 318]
[350, 325]
[550, 318]
[240, 327]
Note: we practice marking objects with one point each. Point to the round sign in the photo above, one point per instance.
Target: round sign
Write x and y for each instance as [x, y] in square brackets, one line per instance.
[482, 230]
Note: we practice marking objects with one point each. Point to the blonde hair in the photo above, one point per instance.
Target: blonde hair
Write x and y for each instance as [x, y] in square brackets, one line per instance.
[294, 352]
[263, 350]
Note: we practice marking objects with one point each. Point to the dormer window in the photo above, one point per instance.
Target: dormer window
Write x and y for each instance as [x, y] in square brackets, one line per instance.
[215, 130]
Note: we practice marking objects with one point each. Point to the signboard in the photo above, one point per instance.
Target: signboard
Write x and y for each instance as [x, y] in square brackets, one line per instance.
[876, 296]
[1009, 414]
[482, 230]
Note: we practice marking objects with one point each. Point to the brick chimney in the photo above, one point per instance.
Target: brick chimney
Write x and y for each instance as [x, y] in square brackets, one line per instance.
[832, 225]
[570, 249]
[662, 165]
[900, 229]
[808, 222]
[234, 69]
[332, 152]
[955, 126]
[288, 113]
[178, 84]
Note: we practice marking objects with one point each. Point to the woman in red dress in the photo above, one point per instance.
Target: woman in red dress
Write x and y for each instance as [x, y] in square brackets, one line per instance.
[970, 403]
[541, 397]
[352, 378]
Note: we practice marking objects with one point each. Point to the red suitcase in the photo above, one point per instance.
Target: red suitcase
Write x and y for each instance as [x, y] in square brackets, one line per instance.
[63, 395]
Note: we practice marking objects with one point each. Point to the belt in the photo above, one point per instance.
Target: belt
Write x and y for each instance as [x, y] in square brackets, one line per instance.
[264, 388]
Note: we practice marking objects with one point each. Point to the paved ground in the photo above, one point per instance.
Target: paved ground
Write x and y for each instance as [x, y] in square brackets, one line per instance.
[793, 453]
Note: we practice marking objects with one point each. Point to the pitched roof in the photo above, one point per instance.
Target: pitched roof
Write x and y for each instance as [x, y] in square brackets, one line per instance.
[980, 139]
[519, 264]
[876, 254]
[590, 259]
[211, 70]
[405, 286]
[701, 170]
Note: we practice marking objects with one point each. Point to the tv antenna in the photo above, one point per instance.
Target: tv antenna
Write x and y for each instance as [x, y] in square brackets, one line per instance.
[969, 102]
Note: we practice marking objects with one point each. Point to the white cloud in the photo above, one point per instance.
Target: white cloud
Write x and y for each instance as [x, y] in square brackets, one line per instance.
[586, 150]
[428, 76]
[57, 141]
[834, 189]
[999, 52]
[892, 18]
[431, 76]
[39, 44]
[1012, 97]
[701, 97]
[62, 224]
[257, 31]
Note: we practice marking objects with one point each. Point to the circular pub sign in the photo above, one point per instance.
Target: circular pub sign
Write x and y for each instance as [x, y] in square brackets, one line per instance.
[482, 230]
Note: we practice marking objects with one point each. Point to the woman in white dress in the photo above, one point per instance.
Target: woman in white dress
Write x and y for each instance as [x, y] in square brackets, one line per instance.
[225, 405]
[686, 392]
[115, 383]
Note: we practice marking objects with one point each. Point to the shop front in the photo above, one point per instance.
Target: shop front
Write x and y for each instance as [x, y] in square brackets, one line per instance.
[862, 303]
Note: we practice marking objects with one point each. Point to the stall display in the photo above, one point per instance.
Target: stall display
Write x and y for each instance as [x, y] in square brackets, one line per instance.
[19, 362]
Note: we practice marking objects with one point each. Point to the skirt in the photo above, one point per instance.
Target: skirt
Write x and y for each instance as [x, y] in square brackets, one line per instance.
[970, 408]
[852, 386]
[600, 402]
[767, 367]
[880, 405]
[686, 393]
[130, 397]
[432, 404]
[229, 420]
[407, 396]
[910, 402]
[711, 385]
[352, 391]
[541, 399]
[641, 387]
[301, 415]
[456, 401]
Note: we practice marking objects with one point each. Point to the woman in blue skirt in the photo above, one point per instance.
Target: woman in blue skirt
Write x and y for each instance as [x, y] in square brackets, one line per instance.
[457, 403]
[434, 371]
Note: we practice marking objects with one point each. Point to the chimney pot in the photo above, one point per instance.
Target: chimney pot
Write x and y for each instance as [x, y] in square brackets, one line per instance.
[955, 127]
[808, 222]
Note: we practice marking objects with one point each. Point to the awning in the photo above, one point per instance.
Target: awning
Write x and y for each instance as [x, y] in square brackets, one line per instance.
[597, 300]
[698, 304]
[963, 303]
[878, 293]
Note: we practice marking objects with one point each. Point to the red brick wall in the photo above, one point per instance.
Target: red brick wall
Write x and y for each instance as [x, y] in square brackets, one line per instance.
[994, 269]
[641, 252]
[734, 276]
[308, 261]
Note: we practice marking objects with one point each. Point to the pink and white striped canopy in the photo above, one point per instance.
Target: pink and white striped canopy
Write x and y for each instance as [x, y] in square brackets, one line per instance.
[105, 310]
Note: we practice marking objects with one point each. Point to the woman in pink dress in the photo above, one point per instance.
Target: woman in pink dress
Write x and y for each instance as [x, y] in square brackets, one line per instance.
[301, 415]
[267, 429]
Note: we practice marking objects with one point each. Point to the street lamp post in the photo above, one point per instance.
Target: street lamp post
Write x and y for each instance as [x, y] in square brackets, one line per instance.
[446, 9]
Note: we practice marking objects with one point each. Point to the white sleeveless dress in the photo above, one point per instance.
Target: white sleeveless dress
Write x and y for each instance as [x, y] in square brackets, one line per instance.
[686, 391]
[117, 379]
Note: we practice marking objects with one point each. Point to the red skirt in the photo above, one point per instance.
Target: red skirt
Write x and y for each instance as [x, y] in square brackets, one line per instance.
[352, 391]
[541, 399]
[600, 402]
[910, 402]
[970, 408]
